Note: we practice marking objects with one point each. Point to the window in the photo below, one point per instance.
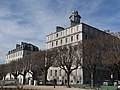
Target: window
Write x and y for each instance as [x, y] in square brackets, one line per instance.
[71, 30]
[65, 74]
[57, 35]
[71, 38]
[86, 37]
[91, 37]
[61, 41]
[50, 72]
[52, 44]
[55, 72]
[27, 53]
[56, 43]
[66, 32]
[60, 72]
[48, 38]
[77, 36]
[77, 28]
[65, 40]
[21, 53]
[61, 33]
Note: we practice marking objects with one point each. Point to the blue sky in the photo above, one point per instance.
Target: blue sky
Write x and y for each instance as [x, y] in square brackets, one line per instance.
[31, 20]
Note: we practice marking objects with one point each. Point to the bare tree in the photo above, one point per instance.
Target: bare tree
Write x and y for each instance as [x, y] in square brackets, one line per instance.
[24, 66]
[20, 66]
[111, 54]
[12, 68]
[37, 62]
[43, 60]
[91, 52]
[69, 58]
[3, 71]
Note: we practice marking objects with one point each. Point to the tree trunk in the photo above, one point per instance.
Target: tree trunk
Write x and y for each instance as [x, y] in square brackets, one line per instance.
[45, 77]
[118, 75]
[15, 77]
[16, 74]
[33, 78]
[24, 79]
[92, 83]
[68, 80]
[10, 76]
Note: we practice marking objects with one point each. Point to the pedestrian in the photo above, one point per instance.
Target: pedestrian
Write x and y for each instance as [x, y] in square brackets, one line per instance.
[55, 82]
[62, 83]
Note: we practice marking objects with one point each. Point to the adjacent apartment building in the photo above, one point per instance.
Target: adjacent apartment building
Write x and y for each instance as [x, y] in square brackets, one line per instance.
[72, 35]
[20, 51]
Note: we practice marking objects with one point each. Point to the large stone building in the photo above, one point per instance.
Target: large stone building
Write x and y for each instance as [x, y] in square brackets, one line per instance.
[69, 36]
[20, 52]
[73, 34]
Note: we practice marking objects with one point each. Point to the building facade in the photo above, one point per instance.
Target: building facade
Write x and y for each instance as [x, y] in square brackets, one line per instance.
[20, 52]
[77, 32]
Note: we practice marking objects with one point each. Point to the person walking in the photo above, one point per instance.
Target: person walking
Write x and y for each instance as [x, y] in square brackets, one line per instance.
[55, 82]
